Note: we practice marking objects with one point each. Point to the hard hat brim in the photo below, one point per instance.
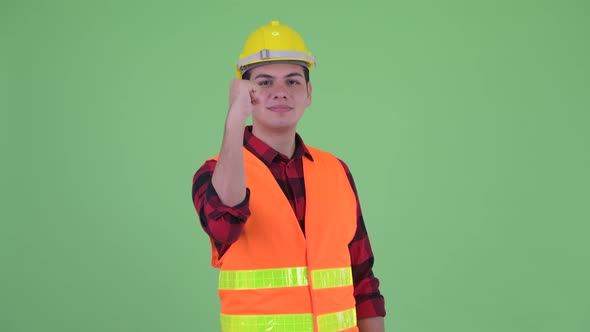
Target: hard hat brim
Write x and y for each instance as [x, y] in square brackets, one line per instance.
[249, 67]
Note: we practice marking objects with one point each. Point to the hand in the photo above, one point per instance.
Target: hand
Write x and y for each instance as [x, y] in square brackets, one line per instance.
[243, 98]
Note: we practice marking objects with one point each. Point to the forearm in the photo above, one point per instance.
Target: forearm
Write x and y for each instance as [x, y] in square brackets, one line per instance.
[229, 177]
[373, 324]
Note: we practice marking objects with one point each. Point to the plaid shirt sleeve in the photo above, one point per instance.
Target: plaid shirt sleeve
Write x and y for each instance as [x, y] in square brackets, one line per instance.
[369, 301]
[222, 223]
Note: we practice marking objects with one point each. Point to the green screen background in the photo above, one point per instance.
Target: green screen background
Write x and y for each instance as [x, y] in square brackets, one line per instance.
[465, 124]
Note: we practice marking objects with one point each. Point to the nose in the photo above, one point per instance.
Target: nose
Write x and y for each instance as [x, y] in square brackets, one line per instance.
[279, 92]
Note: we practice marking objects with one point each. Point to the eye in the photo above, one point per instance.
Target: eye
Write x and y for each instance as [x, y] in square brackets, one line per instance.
[293, 82]
[265, 83]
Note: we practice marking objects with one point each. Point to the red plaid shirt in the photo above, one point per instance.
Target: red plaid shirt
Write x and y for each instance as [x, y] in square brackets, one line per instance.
[224, 224]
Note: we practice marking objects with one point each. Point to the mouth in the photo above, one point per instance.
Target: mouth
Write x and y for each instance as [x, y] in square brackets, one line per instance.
[280, 108]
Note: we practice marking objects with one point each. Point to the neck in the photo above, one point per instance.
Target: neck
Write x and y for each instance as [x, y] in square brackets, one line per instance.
[282, 141]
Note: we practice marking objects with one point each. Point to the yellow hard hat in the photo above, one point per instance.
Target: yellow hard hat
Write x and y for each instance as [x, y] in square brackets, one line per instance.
[273, 42]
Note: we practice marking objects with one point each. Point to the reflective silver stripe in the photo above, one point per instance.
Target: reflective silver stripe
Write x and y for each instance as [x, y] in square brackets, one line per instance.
[268, 54]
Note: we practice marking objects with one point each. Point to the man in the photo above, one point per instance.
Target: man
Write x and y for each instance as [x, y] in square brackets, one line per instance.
[284, 218]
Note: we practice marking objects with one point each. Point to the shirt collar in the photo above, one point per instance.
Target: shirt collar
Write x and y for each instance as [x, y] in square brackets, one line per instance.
[267, 154]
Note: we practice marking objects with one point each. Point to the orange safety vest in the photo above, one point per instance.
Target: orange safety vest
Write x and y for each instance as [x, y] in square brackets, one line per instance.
[273, 278]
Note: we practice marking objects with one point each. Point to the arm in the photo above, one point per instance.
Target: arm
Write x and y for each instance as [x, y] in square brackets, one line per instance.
[370, 304]
[229, 176]
[222, 223]
[373, 324]
[220, 195]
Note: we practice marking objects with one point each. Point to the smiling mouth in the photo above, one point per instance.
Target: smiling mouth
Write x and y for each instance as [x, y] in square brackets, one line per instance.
[280, 108]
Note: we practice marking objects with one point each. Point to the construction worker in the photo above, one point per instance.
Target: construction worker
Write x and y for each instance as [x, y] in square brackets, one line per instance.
[284, 219]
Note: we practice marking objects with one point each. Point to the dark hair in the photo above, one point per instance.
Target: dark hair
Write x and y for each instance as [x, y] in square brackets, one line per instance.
[247, 74]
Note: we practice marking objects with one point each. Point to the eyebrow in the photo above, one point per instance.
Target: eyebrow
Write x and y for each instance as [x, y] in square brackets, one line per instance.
[270, 76]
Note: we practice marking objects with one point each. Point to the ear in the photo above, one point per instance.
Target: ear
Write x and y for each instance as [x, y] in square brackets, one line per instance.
[309, 89]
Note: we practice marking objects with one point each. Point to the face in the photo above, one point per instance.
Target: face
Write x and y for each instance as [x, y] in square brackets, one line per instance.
[283, 96]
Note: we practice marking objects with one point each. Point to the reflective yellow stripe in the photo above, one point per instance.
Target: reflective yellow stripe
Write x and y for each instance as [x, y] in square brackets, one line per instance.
[256, 323]
[284, 277]
[269, 278]
[331, 278]
[337, 321]
[288, 323]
